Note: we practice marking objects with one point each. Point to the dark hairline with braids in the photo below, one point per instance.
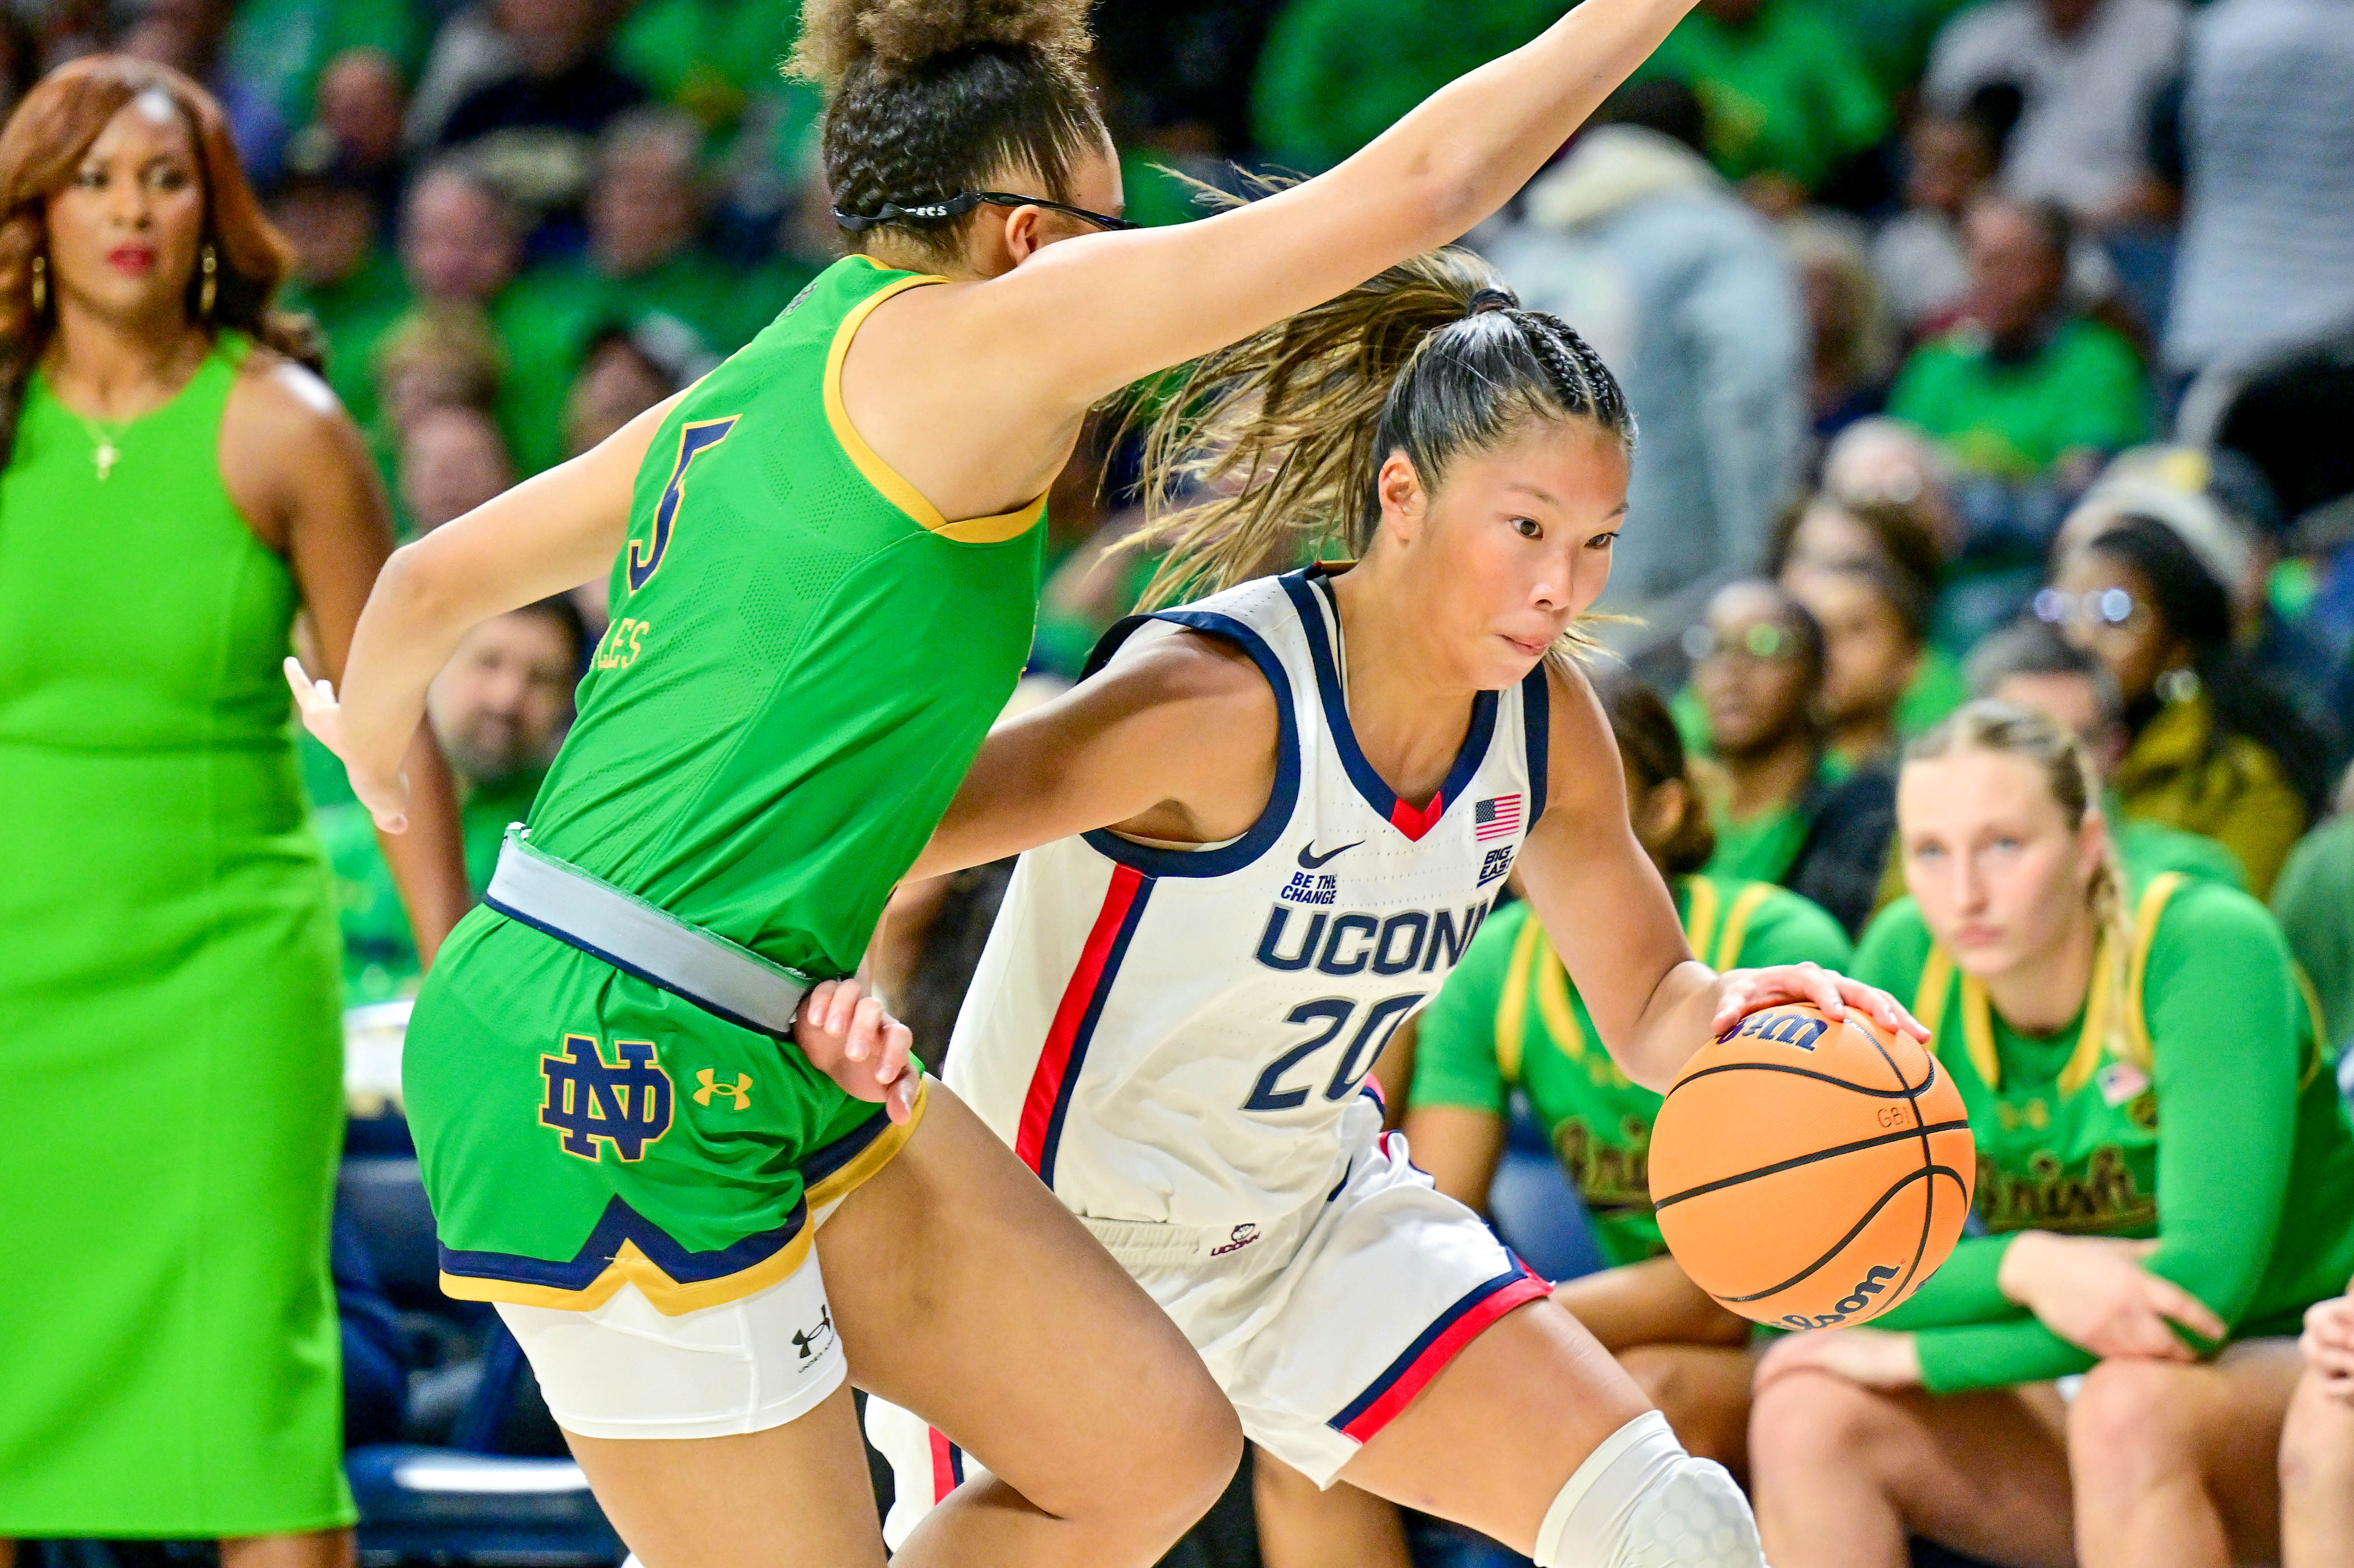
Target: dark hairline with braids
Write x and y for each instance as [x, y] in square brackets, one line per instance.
[1267, 453]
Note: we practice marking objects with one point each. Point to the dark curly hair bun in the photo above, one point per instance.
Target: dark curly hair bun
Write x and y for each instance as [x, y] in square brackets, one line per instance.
[928, 98]
[895, 35]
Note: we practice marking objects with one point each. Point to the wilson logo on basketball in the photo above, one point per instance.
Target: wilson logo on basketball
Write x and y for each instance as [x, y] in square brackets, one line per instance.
[1874, 1281]
[1783, 1028]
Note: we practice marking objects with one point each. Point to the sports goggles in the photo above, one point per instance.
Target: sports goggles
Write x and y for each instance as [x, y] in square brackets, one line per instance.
[964, 202]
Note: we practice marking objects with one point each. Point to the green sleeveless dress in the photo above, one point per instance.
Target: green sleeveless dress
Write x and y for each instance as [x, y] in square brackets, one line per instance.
[170, 1053]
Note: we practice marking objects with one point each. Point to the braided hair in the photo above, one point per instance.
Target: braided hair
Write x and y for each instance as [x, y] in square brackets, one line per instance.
[1268, 452]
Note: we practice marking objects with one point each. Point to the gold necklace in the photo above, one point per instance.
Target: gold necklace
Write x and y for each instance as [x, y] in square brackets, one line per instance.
[104, 451]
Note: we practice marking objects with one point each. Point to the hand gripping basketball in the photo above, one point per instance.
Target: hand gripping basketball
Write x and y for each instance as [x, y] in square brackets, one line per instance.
[1812, 1173]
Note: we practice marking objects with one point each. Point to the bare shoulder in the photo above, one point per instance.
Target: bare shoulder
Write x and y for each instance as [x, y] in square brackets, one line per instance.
[1206, 676]
[1582, 771]
[279, 396]
[287, 447]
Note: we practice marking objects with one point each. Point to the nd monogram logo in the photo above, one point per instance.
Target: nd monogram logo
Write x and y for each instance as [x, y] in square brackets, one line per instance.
[741, 1088]
[626, 1103]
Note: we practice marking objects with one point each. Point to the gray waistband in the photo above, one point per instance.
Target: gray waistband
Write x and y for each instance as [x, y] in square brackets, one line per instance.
[633, 936]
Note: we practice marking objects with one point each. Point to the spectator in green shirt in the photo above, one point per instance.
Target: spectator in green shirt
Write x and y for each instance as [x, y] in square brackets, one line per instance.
[1780, 814]
[282, 47]
[462, 245]
[1789, 97]
[498, 708]
[344, 276]
[1335, 74]
[1509, 1018]
[2024, 385]
[2314, 900]
[645, 215]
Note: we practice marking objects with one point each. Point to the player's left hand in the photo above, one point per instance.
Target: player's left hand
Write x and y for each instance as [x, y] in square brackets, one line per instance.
[1875, 1358]
[1740, 992]
[847, 1036]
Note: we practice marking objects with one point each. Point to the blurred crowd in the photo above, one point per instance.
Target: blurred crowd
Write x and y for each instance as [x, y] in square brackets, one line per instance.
[2003, 347]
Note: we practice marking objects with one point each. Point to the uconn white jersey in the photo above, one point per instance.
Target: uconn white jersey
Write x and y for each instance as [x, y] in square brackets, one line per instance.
[1176, 1034]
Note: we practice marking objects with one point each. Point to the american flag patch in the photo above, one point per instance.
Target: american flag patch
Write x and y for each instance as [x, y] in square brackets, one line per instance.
[1497, 818]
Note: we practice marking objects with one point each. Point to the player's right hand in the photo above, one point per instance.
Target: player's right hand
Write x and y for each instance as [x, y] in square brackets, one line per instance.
[385, 793]
[847, 1036]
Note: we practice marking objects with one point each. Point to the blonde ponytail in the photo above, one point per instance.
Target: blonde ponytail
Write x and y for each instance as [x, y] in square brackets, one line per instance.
[2010, 730]
[1265, 455]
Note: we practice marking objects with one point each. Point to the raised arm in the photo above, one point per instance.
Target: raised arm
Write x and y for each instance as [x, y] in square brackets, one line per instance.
[1094, 315]
[949, 383]
[549, 534]
[1610, 917]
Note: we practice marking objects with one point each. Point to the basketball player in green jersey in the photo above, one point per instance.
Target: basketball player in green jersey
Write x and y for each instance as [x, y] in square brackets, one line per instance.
[2164, 1166]
[825, 562]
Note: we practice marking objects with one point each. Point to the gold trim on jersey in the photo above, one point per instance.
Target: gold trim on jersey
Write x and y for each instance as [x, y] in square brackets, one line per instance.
[1535, 969]
[631, 1267]
[2091, 1040]
[892, 487]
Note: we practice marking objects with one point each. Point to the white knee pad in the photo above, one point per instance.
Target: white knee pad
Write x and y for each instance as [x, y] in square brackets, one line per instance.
[1640, 1501]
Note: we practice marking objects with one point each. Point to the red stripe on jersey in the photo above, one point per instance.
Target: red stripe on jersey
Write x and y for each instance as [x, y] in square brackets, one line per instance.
[1414, 824]
[1441, 1351]
[944, 1465]
[1054, 1056]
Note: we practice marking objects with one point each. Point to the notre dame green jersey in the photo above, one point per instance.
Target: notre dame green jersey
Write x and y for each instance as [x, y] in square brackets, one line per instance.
[803, 659]
[1509, 1015]
[2203, 1117]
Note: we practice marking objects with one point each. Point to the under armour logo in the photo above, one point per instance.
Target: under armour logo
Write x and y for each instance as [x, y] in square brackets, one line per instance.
[809, 1341]
[741, 1088]
[627, 1103]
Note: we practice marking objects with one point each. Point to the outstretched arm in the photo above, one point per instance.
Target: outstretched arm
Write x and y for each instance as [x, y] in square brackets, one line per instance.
[552, 533]
[972, 391]
[1096, 315]
[1610, 916]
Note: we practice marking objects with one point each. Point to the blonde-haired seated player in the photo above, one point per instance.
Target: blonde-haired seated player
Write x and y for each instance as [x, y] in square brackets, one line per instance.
[1511, 1017]
[2164, 1166]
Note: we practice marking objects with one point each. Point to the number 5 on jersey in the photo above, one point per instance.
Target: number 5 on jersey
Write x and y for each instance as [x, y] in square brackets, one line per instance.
[646, 555]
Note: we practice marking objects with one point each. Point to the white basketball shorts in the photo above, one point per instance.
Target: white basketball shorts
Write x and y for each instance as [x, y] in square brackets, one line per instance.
[1321, 1326]
[624, 1370]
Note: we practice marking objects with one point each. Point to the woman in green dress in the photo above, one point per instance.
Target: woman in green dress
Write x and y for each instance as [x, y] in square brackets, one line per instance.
[177, 490]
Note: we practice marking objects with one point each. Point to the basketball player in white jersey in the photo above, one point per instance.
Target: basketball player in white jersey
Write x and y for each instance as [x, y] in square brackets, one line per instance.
[1257, 840]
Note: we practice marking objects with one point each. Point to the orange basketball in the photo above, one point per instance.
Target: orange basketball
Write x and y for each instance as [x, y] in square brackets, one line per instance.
[1809, 1173]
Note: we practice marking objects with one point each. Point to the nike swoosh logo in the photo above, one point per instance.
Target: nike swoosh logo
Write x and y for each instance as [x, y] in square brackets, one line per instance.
[1311, 861]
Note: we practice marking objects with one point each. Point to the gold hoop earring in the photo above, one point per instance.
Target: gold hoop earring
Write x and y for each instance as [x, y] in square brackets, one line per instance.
[40, 284]
[210, 287]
